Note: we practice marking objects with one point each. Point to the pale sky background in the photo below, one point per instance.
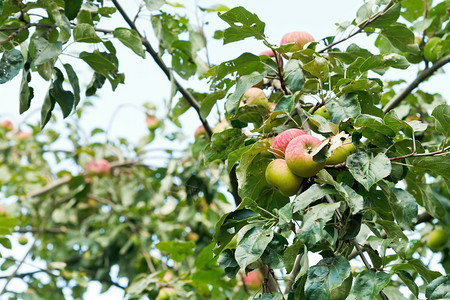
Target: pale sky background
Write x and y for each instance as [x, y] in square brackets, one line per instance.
[145, 82]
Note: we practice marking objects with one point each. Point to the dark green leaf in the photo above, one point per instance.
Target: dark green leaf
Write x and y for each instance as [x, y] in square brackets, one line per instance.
[400, 37]
[294, 75]
[418, 266]
[223, 143]
[252, 240]
[389, 17]
[346, 106]
[244, 83]
[46, 109]
[315, 192]
[243, 24]
[71, 8]
[44, 51]
[368, 284]
[442, 115]
[245, 64]
[85, 33]
[328, 274]
[439, 288]
[367, 169]
[209, 101]
[10, 64]
[274, 253]
[408, 280]
[64, 98]
[394, 232]
[73, 79]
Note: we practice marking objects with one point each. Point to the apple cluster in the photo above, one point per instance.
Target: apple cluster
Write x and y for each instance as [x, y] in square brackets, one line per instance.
[294, 150]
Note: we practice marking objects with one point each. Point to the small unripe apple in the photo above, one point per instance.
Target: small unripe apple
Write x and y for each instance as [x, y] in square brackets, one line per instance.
[341, 153]
[280, 176]
[22, 135]
[299, 156]
[23, 240]
[165, 293]
[282, 140]
[253, 280]
[254, 96]
[152, 122]
[99, 167]
[300, 38]
[192, 236]
[432, 49]
[7, 125]
[200, 131]
[437, 240]
[321, 111]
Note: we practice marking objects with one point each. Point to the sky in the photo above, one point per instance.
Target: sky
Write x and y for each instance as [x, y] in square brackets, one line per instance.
[144, 82]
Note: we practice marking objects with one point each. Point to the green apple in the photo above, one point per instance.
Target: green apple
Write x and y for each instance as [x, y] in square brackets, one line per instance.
[299, 156]
[282, 140]
[432, 49]
[165, 293]
[300, 38]
[253, 280]
[23, 240]
[341, 153]
[152, 122]
[254, 96]
[321, 111]
[280, 176]
[437, 240]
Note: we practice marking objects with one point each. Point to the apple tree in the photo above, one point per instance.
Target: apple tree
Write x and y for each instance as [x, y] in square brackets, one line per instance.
[318, 154]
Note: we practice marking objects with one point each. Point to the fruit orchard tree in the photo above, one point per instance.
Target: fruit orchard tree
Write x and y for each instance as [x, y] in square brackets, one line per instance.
[361, 180]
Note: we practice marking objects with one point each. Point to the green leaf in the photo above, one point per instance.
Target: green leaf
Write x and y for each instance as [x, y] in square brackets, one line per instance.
[346, 106]
[252, 240]
[318, 67]
[10, 65]
[439, 164]
[393, 60]
[227, 262]
[245, 64]
[26, 92]
[45, 51]
[46, 109]
[154, 4]
[64, 98]
[329, 273]
[105, 64]
[367, 169]
[389, 17]
[313, 193]
[177, 250]
[368, 284]
[294, 75]
[353, 199]
[71, 8]
[73, 79]
[312, 232]
[85, 33]
[285, 104]
[244, 83]
[418, 266]
[408, 280]
[290, 255]
[439, 288]
[229, 225]
[130, 39]
[243, 25]
[394, 232]
[442, 115]
[400, 37]
[274, 253]
[223, 143]
[208, 103]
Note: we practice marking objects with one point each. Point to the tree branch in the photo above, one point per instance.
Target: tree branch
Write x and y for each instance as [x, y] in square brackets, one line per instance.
[424, 75]
[361, 28]
[148, 47]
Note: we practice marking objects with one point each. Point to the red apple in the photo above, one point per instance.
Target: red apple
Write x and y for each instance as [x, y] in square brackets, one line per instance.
[282, 140]
[340, 154]
[300, 38]
[299, 156]
[270, 53]
[199, 131]
[152, 122]
[253, 280]
[100, 167]
[7, 125]
[280, 176]
[21, 135]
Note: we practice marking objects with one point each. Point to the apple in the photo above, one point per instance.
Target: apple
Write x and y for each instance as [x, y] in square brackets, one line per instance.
[300, 38]
[341, 153]
[437, 240]
[432, 49]
[7, 125]
[321, 111]
[99, 167]
[280, 176]
[166, 293]
[254, 96]
[167, 276]
[192, 236]
[253, 280]
[3, 212]
[221, 126]
[282, 140]
[299, 156]
[152, 122]
[22, 135]
[23, 240]
[200, 131]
